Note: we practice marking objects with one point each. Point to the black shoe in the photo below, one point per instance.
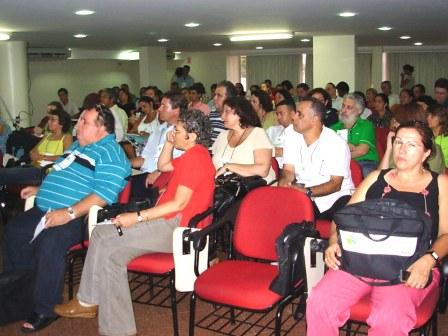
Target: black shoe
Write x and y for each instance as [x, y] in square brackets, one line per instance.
[38, 321]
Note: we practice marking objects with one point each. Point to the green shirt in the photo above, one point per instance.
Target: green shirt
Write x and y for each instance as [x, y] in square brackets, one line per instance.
[362, 132]
[442, 141]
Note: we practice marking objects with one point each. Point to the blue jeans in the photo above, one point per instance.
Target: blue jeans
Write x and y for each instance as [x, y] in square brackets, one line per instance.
[21, 175]
[46, 255]
[367, 167]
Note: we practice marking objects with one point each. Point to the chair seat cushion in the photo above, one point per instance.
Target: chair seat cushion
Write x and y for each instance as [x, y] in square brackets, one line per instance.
[323, 226]
[361, 310]
[79, 246]
[156, 263]
[237, 283]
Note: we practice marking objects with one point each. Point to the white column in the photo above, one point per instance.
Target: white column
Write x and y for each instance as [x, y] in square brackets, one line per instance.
[14, 99]
[233, 69]
[152, 66]
[377, 67]
[334, 60]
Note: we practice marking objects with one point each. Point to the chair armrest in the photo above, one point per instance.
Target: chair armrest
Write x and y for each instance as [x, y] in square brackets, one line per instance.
[92, 217]
[29, 202]
[198, 237]
[194, 221]
[443, 285]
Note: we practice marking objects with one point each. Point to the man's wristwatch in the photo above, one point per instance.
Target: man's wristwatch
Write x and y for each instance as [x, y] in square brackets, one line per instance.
[308, 192]
[139, 217]
[71, 212]
[434, 255]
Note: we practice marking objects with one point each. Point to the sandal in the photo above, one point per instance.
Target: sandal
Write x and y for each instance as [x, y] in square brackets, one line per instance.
[38, 322]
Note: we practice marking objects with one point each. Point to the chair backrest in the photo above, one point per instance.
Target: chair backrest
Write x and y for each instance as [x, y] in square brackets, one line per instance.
[356, 172]
[125, 194]
[162, 180]
[275, 167]
[381, 140]
[263, 214]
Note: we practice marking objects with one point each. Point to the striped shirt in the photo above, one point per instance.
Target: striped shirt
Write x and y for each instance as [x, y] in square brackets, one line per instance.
[217, 123]
[99, 168]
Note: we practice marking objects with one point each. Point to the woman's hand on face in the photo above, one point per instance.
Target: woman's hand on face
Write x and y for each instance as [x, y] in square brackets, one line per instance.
[125, 220]
[420, 271]
[332, 255]
[390, 137]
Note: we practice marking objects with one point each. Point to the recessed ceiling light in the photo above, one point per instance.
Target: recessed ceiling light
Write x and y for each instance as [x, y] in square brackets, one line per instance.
[80, 35]
[217, 44]
[178, 52]
[305, 40]
[4, 37]
[405, 37]
[192, 24]
[259, 48]
[385, 28]
[418, 43]
[84, 12]
[347, 14]
[261, 37]
[162, 40]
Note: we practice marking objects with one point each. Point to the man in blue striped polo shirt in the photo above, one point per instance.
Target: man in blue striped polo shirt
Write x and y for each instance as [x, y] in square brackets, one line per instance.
[91, 172]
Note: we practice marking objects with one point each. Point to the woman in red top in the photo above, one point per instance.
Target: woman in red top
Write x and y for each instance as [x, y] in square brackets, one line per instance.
[104, 279]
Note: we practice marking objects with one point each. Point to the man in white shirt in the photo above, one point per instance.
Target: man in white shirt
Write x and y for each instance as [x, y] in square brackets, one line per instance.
[69, 106]
[316, 160]
[386, 88]
[171, 105]
[276, 133]
[109, 99]
[336, 101]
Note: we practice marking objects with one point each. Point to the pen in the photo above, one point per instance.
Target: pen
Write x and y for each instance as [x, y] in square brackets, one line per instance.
[120, 231]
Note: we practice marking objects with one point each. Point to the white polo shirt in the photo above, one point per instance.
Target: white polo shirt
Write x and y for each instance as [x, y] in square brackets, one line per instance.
[315, 164]
[276, 134]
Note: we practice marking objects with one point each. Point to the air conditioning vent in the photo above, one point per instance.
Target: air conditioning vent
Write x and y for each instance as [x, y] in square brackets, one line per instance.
[48, 54]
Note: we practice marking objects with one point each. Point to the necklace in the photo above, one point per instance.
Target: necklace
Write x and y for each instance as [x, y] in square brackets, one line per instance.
[237, 144]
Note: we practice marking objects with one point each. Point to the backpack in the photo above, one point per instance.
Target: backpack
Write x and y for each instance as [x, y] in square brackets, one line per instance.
[289, 247]
[381, 238]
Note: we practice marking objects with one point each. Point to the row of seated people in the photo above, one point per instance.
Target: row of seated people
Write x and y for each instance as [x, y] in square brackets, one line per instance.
[242, 123]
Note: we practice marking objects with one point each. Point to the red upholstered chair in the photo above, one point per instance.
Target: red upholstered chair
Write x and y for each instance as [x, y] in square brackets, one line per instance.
[323, 225]
[243, 284]
[161, 266]
[79, 251]
[275, 167]
[381, 140]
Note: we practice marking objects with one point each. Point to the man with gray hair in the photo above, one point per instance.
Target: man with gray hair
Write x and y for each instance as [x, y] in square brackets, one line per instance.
[359, 133]
[315, 160]
[109, 99]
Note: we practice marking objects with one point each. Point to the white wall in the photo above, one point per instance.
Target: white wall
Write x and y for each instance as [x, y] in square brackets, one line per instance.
[206, 67]
[79, 77]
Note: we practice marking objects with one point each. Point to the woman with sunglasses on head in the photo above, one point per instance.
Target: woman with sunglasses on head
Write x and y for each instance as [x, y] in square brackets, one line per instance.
[392, 308]
[51, 147]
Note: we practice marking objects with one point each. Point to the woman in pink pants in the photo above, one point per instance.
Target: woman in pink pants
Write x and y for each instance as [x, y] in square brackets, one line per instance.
[393, 308]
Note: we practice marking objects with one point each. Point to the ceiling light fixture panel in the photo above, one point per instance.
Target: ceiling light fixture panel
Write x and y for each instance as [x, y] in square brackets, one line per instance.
[162, 40]
[384, 28]
[4, 37]
[261, 37]
[418, 43]
[259, 48]
[405, 37]
[192, 24]
[80, 35]
[305, 40]
[347, 14]
[217, 44]
[84, 12]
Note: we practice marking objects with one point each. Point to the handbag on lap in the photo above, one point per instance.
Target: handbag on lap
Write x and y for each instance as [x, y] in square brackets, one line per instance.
[381, 238]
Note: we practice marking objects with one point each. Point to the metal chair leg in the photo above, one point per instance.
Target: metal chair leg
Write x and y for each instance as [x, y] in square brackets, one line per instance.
[174, 304]
[232, 316]
[192, 314]
[349, 328]
[71, 262]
